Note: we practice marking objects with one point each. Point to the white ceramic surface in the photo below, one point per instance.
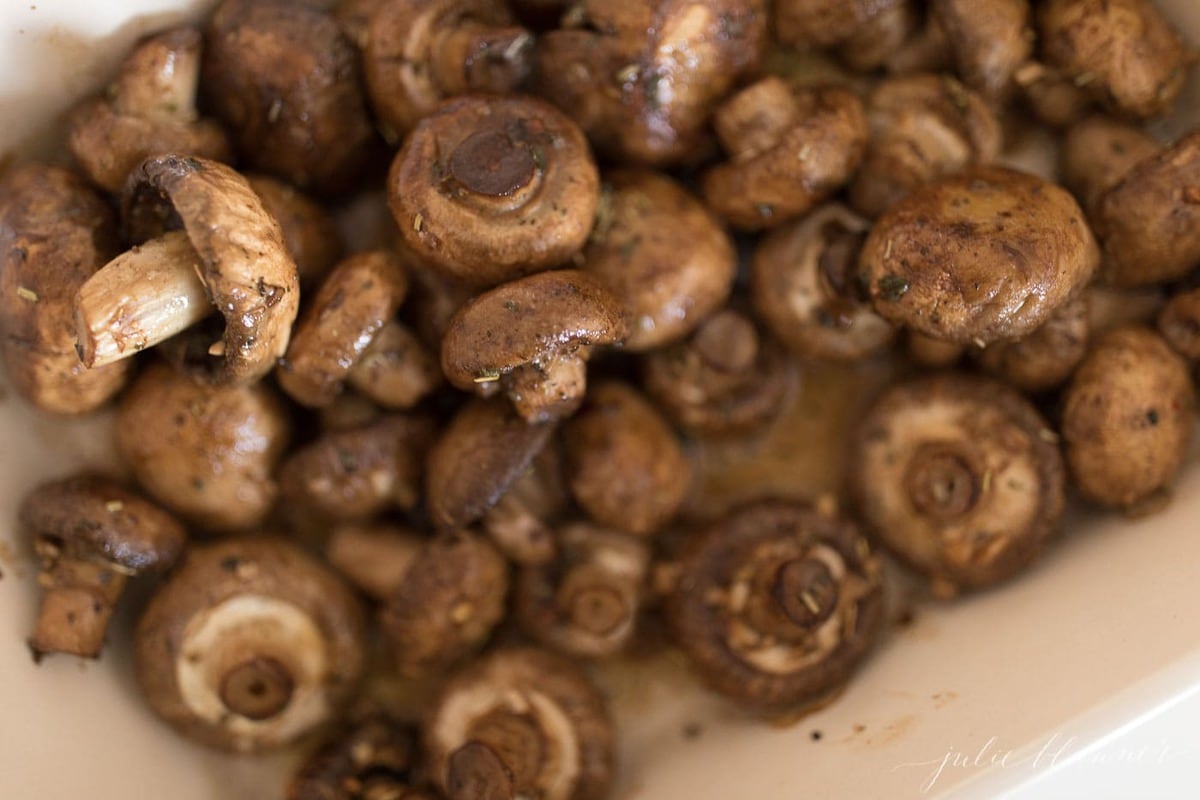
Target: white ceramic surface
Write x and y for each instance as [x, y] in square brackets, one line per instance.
[1079, 680]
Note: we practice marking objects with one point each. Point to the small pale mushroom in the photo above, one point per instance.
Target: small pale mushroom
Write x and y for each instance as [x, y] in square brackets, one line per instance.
[989, 40]
[1044, 359]
[369, 758]
[227, 253]
[776, 605]
[55, 232]
[332, 337]
[208, 453]
[309, 232]
[520, 722]
[788, 152]
[587, 601]
[1097, 153]
[486, 189]
[149, 109]
[960, 477]
[804, 285]
[865, 34]
[530, 338]
[420, 52]
[624, 463]
[92, 535]
[250, 644]
[374, 557]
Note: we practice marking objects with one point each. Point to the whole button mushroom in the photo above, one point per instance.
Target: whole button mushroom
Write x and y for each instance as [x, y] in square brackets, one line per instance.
[726, 378]
[420, 52]
[585, 603]
[487, 189]
[625, 466]
[91, 535]
[309, 232]
[352, 306]
[987, 254]
[865, 33]
[1096, 153]
[531, 338]
[1045, 358]
[804, 286]
[285, 82]
[228, 253]
[396, 370]
[207, 453]
[149, 109]
[662, 253]
[520, 722]
[1179, 323]
[1128, 418]
[776, 605]
[55, 232]
[960, 477]
[922, 127]
[788, 152]
[989, 40]
[1122, 52]
[250, 644]
[642, 78]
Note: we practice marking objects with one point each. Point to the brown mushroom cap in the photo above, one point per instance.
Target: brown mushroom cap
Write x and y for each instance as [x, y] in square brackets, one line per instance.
[396, 370]
[789, 152]
[246, 270]
[1149, 221]
[1122, 52]
[1128, 417]
[520, 720]
[1045, 358]
[1097, 153]
[309, 232]
[662, 253]
[487, 189]
[149, 109]
[866, 32]
[625, 466]
[960, 477]
[284, 80]
[250, 644]
[776, 605]
[1179, 323]
[804, 286]
[205, 452]
[55, 232]
[484, 449]
[331, 338]
[987, 254]
[989, 39]
[368, 759]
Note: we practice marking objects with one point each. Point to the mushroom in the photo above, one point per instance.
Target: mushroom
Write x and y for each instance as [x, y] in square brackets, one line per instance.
[370, 758]
[91, 535]
[420, 52]
[926, 351]
[354, 17]
[1149, 221]
[585, 603]
[348, 410]
[361, 294]
[208, 453]
[1124, 53]
[922, 127]
[486, 189]
[987, 254]
[375, 557]
[396, 370]
[521, 522]
[776, 605]
[285, 82]
[1128, 417]
[249, 644]
[1179, 323]
[309, 233]
[642, 78]
[665, 257]
[356, 473]
[788, 152]
[450, 599]
[530, 339]
[989, 40]
[960, 477]
[55, 232]
[149, 109]
[228, 253]
[1097, 153]
[865, 33]
[625, 466]
[726, 378]
[520, 722]
[1044, 359]
[1051, 96]
[804, 286]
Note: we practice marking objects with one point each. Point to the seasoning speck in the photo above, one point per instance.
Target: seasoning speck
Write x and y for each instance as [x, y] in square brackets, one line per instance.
[815, 736]
[113, 506]
[27, 294]
[892, 287]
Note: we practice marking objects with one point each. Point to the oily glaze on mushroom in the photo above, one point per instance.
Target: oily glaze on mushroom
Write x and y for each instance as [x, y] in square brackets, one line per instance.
[91, 535]
[865, 33]
[55, 232]
[250, 644]
[520, 722]
[1128, 416]
[960, 477]
[776, 605]
[1045, 358]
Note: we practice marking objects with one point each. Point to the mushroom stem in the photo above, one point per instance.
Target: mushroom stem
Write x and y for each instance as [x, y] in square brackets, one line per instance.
[76, 605]
[489, 164]
[482, 58]
[593, 600]
[140, 298]
[727, 342]
[258, 688]
[552, 391]
[158, 81]
[475, 772]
